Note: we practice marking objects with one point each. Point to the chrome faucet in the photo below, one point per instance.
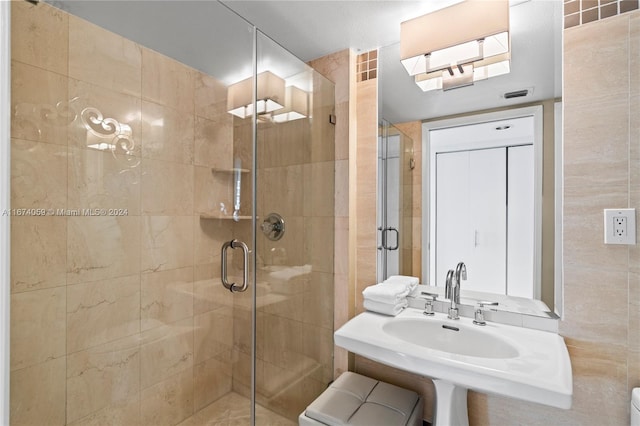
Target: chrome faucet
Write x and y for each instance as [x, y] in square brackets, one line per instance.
[452, 288]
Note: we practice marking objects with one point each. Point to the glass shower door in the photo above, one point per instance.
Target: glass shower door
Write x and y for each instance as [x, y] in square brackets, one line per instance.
[294, 236]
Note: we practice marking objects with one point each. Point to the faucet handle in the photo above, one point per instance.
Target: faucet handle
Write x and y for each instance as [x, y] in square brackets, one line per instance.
[428, 306]
[479, 313]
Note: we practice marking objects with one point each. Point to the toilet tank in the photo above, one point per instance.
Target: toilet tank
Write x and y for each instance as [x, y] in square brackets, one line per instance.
[635, 407]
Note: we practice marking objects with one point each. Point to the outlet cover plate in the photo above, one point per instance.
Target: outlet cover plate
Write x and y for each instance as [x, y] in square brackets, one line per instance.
[612, 231]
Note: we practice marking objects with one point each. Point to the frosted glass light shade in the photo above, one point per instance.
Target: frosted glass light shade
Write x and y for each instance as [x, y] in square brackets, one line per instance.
[296, 105]
[465, 32]
[270, 96]
[482, 70]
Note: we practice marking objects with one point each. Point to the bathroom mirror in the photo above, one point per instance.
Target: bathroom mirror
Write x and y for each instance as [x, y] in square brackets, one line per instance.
[536, 67]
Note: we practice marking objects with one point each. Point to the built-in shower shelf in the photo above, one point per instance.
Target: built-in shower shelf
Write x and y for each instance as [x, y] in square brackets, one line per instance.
[230, 170]
[222, 217]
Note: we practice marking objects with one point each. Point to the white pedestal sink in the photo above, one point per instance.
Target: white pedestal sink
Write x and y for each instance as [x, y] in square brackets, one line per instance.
[512, 361]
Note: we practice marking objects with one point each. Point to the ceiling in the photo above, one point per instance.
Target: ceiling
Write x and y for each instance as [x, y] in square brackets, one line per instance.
[311, 29]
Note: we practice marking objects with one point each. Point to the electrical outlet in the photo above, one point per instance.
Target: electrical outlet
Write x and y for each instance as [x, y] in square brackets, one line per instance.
[620, 226]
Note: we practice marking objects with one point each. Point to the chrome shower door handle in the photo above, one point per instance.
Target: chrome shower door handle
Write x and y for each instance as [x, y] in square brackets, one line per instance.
[397, 238]
[234, 244]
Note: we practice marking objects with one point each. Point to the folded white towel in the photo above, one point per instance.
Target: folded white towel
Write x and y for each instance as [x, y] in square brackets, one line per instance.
[391, 293]
[385, 308]
[413, 281]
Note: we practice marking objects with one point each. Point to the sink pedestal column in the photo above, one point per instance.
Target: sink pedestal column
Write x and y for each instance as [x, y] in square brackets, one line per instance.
[451, 405]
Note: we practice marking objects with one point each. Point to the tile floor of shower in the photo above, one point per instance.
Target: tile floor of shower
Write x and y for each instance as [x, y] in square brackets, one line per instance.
[233, 409]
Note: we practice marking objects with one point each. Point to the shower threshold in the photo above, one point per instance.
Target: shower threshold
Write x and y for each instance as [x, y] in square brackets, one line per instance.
[233, 409]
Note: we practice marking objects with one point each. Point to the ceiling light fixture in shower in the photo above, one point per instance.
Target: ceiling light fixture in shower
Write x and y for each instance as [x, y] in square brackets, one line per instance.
[270, 96]
[296, 105]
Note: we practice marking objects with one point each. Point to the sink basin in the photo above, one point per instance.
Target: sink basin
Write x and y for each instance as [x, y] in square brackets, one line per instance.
[453, 338]
[516, 362]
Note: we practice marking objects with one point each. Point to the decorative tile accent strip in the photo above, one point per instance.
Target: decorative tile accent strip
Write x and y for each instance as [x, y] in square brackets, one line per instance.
[578, 12]
[367, 65]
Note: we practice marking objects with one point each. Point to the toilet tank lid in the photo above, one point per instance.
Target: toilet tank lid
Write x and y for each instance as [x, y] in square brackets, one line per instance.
[635, 398]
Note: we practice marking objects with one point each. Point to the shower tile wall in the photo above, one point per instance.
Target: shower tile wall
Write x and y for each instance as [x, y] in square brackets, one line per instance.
[115, 319]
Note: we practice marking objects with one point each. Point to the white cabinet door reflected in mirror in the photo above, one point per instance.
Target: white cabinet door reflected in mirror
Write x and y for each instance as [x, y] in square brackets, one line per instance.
[485, 207]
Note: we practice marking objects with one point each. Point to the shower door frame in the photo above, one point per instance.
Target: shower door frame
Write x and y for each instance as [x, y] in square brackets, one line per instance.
[5, 192]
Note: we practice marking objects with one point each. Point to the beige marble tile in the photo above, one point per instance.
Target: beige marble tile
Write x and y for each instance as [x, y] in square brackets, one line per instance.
[168, 402]
[167, 242]
[40, 36]
[341, 189]
[166, 297]
[322, 147]
[318, 346]
[634, 312]
[213, 334]
[634, 53]
[209, 235]
[318, 300]
[242, 372]
[104, 379]
[166, 351]
[38, 253]
[584, 79]
[337, 68]
[283, 190]
[582, 304]
[39, 104]
[366, 232]
[38, 328]
[213, 145]
[105, 120]
[232, 408]
[294, 143]
[104, 58]
[319, 189]
[167, 188]
[210, 98]
[283, 303]
[242, 329]
[583, 227]
[214, 192]
[167, 133]
[212, 380]
[103, 181]
[167, 82]
[102, 247]
[342, 131]
[633, 372]
[281, 341]
[38, 394]
[599, 374]
[125, 414]
[589, 161]
[341, 246]
[318, 241]
[38, 175]
[102, 311]
[209, 293]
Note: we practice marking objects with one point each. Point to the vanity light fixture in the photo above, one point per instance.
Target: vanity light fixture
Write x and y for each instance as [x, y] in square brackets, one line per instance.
[270, 96]
[458, 45]
[296, 105]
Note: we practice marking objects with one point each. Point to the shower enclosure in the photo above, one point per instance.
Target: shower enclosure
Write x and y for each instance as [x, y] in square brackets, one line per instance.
[172, 214]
